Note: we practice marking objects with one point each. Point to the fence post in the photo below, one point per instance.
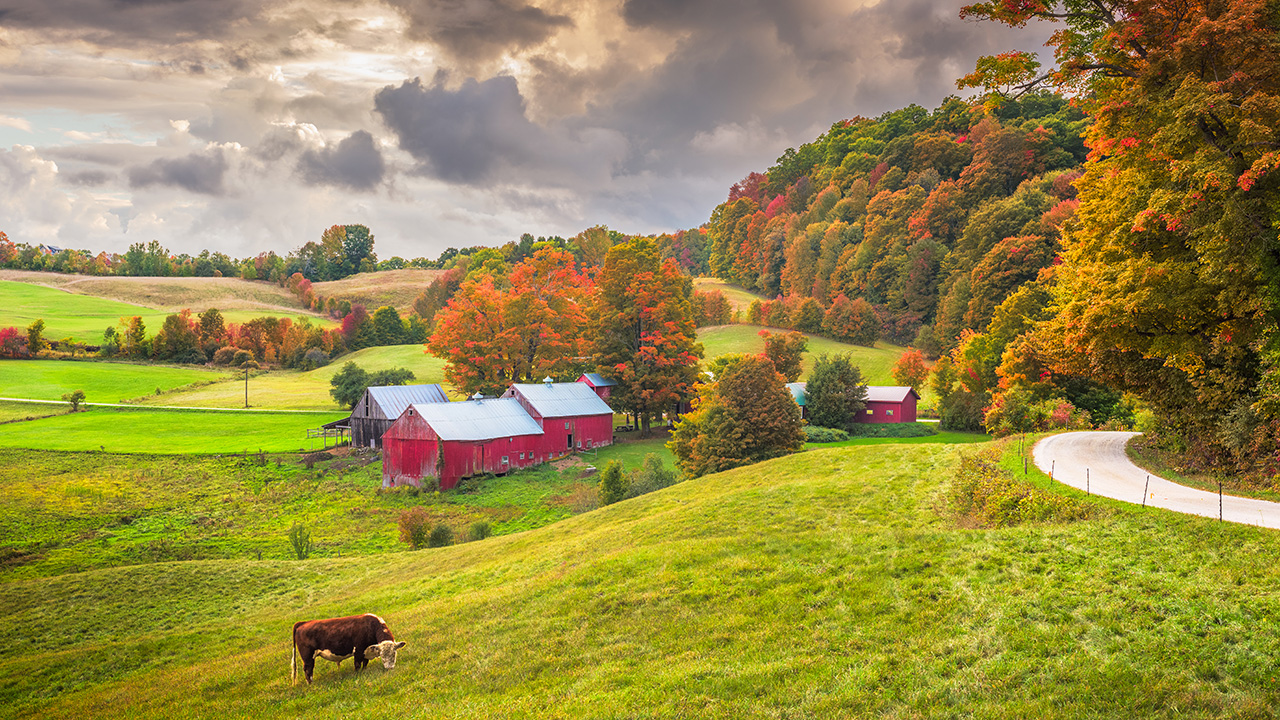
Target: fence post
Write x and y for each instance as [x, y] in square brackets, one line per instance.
[1087, 491]
[1219, 501]
[1052, 464]
[1145, 488]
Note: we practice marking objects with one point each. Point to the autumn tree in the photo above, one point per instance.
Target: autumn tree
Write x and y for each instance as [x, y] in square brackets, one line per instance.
[178, 339]
[471, 337]
[746, 416]
[35, 337]
[1168, 283]
[835, 394]
[644, 333]
[910, 370]
[786, 352]
[544, 314]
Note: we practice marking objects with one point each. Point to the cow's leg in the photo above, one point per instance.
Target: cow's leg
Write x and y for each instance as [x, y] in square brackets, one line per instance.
[308, 663]
[361, 660]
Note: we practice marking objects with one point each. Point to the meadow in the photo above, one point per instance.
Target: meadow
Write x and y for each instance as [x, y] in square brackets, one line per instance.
[83, 318]
[739, 298]
[107, 382]
[396, 288]
[833, 583]
[876, 363]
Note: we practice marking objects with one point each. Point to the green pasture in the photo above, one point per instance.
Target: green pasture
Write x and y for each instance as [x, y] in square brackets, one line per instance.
[137, 430]
[739, 298]
[876, 363]
[11, 411]
[829, 584]
[106, 382]
[305, 390]
[84, 318]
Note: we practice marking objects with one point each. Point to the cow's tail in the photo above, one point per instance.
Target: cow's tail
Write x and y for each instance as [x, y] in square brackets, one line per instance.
[293, 657]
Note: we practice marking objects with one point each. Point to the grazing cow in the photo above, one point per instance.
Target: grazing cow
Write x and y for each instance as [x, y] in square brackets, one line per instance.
[363, 637]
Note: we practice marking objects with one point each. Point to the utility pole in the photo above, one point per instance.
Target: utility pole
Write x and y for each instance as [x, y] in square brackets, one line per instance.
[246, 387]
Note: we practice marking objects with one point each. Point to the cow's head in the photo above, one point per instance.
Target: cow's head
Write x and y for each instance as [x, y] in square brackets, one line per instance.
[386, 651]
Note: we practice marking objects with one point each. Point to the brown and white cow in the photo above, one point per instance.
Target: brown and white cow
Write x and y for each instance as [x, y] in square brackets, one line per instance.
[363, 637]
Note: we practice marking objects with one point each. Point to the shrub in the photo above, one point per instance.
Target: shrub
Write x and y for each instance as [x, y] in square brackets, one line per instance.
[224, 355]
[653, 475]
[241, 357]
[613, 483]
[985, 494]
[479, 530]
[893, 430]
[815, 434]
[414, 524]
[300, 540]
[314, 358]
[441, 536]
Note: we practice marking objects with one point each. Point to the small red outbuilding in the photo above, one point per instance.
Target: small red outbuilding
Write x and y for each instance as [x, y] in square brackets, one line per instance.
[890, 404]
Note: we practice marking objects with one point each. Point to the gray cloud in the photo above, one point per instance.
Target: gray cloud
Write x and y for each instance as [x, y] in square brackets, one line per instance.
[123, 22]
[195, 173]
[480, 29]
[354, 163]
[462, 135]
[90, 178]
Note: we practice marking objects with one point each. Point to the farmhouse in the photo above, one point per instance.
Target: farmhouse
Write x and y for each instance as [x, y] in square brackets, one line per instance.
[382, 406]
[885, 403]
[527, 426]
[601, 384]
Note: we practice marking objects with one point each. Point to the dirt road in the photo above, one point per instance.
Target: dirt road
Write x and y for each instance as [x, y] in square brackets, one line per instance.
[1098, 460]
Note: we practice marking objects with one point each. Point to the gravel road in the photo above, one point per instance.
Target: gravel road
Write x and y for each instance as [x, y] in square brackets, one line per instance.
[1098, 459]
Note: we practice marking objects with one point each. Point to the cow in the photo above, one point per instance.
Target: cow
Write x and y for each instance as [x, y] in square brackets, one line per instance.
[363, 637]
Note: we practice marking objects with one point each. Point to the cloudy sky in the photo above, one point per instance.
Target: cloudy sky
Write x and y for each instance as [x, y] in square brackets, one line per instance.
[251, 125]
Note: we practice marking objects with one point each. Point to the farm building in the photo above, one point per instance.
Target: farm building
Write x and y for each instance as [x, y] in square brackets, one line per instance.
[382, 406]
[529, 425]
[571, 414]
[885, 403]
[601, 384]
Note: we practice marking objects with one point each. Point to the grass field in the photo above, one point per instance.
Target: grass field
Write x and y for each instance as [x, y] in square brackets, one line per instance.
[739, 298]
[876, 363]
[170, 293]
[74, 512]
[397, 288]
[137, 430]
[107, 382]
[12, 411]
[299, 390]
[829, 584]
[84, 318]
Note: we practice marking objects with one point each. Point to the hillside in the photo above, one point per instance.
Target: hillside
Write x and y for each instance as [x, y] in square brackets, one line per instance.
[76, 309]
[397, 288]
[829, 584]
[876, 363]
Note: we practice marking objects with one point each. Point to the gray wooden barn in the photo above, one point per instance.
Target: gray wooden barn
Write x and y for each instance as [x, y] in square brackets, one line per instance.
[382, 406]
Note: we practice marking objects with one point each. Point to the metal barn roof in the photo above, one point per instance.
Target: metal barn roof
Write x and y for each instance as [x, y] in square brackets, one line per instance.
[552, 400]
[393, 399]
[478, 419]
[797, 392]
[598, 380]
[889, 393]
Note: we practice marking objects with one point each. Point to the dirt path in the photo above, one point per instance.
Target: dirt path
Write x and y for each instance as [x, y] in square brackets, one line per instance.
[1098, 460]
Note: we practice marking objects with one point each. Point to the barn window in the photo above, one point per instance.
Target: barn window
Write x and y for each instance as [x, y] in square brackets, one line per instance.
[506, 460]
[889, 413]
[870, 411]
[521, 456]
[566, 424]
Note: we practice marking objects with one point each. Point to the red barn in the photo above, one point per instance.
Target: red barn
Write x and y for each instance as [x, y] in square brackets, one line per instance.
[571, 415]
[601, 384]
[528, 425]
[451, 441]
[890, 404]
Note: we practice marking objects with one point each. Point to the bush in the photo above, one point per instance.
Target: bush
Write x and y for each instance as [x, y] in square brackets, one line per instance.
[985, 494]
[893, 430]
[653, 475]
[815, 434]
[479, 530]
[241, 357]
[441, 536]
[224, 355]
[300, 540]
[314, 358]
[414, 524]
[613, 483]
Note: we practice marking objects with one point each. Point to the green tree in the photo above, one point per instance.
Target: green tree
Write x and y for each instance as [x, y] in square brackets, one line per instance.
[74, 398]
[300, 541]
[746, 416]
[613, 483]
[349, 384]
[35, 337]
[388, 327]
[835, 394]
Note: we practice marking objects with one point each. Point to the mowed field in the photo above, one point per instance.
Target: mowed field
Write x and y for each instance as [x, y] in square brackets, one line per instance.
[830, 584]
[84, 317]
[147, 430]
[106, 382]
[309, 390]
[876, 363]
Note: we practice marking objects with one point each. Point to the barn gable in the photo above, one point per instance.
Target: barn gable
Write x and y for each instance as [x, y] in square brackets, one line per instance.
[559, 400]
[379, 407]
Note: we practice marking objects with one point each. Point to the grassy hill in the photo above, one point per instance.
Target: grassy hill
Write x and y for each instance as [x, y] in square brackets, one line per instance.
[71, 310]
[828, 584]
[106, 382]
[739, 298]
[876, 363]
[397, 288]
